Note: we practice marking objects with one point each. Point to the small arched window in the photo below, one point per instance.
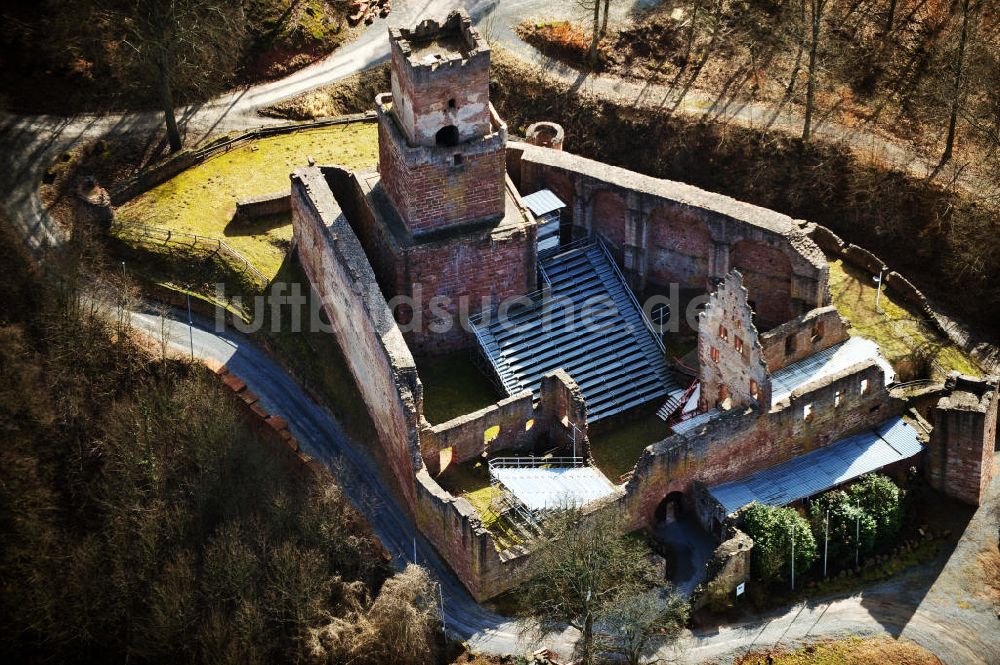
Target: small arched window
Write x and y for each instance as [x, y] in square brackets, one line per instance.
[447, 136]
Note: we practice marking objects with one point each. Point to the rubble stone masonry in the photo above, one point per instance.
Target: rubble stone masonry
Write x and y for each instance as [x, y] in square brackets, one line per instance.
[730, 358]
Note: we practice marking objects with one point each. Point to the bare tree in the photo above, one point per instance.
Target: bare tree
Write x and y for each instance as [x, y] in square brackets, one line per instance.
[595, 38]
[581, 571]
[189, 47]
[956, 89]
[604, 24]
[817, 9]
[642, 624]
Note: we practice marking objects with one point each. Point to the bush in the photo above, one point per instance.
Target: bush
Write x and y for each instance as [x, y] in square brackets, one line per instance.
[849, 527]
[882, 499]
[771, 529]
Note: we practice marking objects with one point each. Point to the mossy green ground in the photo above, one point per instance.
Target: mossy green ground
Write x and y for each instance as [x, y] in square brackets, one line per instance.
[202, 199]
[617, 448]
[454, 386]
[851, 650]
[471, 481]
[903, 335]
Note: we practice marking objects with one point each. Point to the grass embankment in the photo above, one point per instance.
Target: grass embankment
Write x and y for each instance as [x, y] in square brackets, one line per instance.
[849, 651]
[454, 386]
[617, 448]
[907, 340]
[202, 199]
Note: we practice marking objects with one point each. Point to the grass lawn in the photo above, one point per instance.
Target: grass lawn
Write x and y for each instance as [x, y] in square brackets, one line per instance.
[202, 199]
[848, 651]
[904, 335]
[617, 449]
[454, 386]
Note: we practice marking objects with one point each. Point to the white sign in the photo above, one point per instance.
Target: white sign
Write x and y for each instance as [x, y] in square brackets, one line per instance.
[740, 588]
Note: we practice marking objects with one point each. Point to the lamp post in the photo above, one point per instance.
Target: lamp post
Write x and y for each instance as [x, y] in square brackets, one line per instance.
[793, 556]
[878, 291]
[190, 324]
[826, 540]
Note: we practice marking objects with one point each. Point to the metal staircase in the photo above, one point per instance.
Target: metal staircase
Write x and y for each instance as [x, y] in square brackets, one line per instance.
[586, 321]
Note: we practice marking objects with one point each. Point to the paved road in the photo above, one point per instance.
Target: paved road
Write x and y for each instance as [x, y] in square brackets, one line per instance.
[937, 606]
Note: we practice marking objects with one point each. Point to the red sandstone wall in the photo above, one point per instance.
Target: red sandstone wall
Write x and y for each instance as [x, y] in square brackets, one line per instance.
[430, 191]
[680, 245]
[374, 349]
[478, 269]
[740, 443]
[666, 232]
[960, 457]
[810, 333]
[767, 275]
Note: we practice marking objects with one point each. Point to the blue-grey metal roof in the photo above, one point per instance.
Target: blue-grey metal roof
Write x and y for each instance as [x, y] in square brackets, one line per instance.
[549, 488]
[804, 476]
[542, 202]
[825, 363]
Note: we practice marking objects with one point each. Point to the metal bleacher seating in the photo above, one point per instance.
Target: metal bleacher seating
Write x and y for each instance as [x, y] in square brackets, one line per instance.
[586, 321]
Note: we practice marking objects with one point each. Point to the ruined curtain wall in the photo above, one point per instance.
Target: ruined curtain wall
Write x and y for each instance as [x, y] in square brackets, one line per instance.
[386, 376]
[742, 442]
[664, 232]
[373, 346]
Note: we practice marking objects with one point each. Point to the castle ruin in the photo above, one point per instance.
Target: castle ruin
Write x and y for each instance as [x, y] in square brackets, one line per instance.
[444, 222]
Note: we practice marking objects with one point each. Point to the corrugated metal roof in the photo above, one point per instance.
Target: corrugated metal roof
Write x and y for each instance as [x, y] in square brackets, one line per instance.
[804, 476]
[548, 488]
[542, 202]
[828, 361]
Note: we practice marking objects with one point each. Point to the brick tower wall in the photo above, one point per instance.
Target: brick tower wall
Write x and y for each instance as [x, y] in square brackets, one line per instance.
[451, 87]
[469, 269]
[430, 191]
[959, 459]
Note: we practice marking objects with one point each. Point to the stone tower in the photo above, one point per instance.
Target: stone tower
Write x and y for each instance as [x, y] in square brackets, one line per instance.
[441, 146]
[959, 457]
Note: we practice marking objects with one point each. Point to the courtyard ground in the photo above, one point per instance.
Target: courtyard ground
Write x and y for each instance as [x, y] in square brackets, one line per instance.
[618, 447]
[202, 199]
[454, 386]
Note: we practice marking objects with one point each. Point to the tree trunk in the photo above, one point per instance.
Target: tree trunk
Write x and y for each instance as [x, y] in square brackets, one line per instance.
[817, 22]
[596, 34]
[166, 92]
[167, 102]
[956, 96]
[892, 16]
[588, 638]
[604, 24]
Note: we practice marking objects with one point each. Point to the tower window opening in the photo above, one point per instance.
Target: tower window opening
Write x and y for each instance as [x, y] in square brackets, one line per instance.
[459, 159]
[447, 136]
[451, 103]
